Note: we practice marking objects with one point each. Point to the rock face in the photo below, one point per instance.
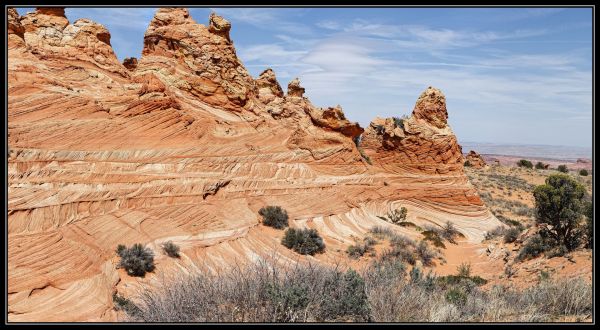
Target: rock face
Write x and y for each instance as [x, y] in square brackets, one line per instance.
[198, 61]
[422, 142]
[431, 108]
[334, 119]
[130, 63]
[187, 146]
[475, 159]
[16, 31]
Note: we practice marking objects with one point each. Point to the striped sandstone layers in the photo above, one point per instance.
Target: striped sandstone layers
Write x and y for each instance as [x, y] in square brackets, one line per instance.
[184, 145]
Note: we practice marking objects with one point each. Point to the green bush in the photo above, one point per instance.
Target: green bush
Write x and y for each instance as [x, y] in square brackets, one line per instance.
[274, 216]
[510, 222]
[524, 163]
[559, 203]
[467, 163]
[539, 165]
[124, 304]
[303, 241]
[348, 300]
[583, 172]
[511, 234]
[450, 233]
[136, 260]
[171, 249]
[397, 216]
[563, 168]
[425, 253]
[456, 296]
[290, 296]
[533, 247]
[464, 270]
[358, 250]
[558, 251]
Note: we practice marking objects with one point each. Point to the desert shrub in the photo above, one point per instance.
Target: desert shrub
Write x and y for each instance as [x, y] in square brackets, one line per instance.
[559, 203]
[120, 249]
[563, 168]
[358, 250]
[524, 163]
[124, 304]
[402, 241]
[523, 211]
[557, 251]
[357, 139]
[303, 241]
[403, 254]
[510, 222]
[381, 231]
[533, 247]
[347, 300]
[274, 216]
[539, 165]
[450, 233]
[424, 253]
[382, 292]
[509, 271]
[397, 216]
[583, 172]
[467, 163]
[456, 296]
[136, 260]
[171, 249]
[511, 235]
[544, 276]
[556, 298]
[496, 232]
[464, 270]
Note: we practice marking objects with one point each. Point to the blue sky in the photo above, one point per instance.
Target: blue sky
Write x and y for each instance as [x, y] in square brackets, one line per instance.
[510, 75]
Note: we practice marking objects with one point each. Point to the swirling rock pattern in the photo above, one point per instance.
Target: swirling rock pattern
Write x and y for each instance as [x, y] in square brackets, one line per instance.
[187, 146]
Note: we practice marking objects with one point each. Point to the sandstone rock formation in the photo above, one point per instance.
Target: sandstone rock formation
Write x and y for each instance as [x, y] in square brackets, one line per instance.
[130, 63]
[187, 146]
[422, 142]
[475, 160]
[197, 61]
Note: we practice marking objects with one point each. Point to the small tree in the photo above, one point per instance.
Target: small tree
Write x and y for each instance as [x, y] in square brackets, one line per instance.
[171, 249]
[563, 168]
[583, 172]
[274, 216]
[524, 163]
[559, 204]
[398, 216]
[539, 165]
